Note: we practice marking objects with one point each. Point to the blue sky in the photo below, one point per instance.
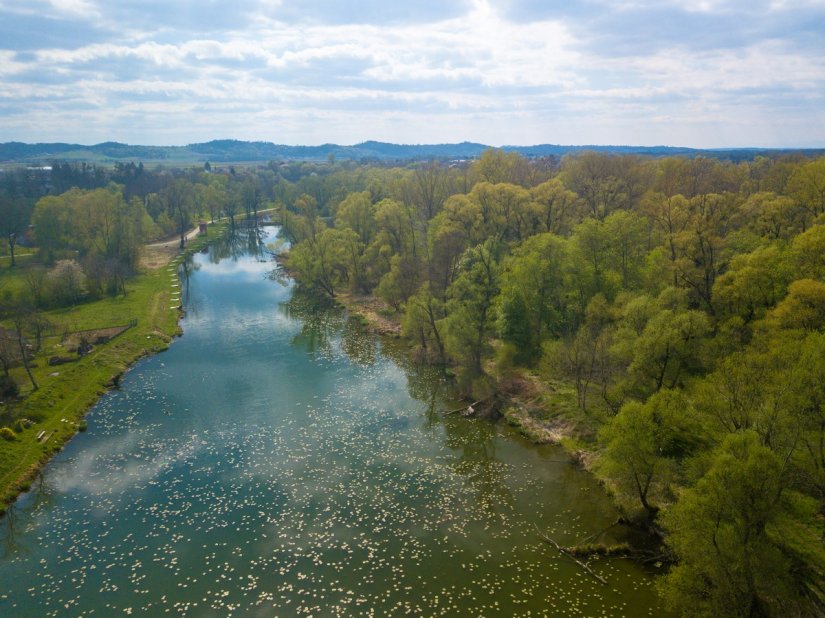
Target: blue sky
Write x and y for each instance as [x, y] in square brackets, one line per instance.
[704, 73]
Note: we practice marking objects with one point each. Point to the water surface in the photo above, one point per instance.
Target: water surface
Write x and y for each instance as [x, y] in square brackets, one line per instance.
[278, 461]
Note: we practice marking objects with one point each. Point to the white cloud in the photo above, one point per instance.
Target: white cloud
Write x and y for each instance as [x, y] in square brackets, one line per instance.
[480, 76]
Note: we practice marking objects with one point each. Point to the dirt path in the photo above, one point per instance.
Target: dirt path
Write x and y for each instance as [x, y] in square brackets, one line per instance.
[158, 254]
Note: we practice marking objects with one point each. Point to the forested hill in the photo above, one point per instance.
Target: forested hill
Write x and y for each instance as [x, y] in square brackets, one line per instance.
[240, 151]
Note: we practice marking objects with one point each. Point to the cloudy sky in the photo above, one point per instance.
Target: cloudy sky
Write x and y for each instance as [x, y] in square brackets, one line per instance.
[704, 73]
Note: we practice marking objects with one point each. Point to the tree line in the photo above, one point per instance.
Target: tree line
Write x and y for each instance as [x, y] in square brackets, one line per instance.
[683, 298]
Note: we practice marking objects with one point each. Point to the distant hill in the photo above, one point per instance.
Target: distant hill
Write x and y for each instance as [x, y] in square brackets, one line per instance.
[223, 151]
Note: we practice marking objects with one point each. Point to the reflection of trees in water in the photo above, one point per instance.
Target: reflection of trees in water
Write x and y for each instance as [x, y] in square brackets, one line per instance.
[185, 270]
[321, 322]
[359, 346]
[239, 242]
[478, 462]
[10, 530]
[426, 383]
[14, 523]
[475, 440]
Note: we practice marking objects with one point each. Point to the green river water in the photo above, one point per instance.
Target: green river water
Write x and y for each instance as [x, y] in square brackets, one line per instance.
[277, 461]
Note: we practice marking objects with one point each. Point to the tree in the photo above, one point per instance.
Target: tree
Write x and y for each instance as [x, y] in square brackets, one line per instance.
[808, 253]
[807, 186]
[589, 263]
[531, 305]
[19, 315]
[671, 216]
[667, 350]
[642, 444]
[628, 235]
[701, 246]
[451, 232]
[556, 204]
[180, 206]
[605, 182]
[423, 323]
[319, 262]
[14, 217]
[754, 283]
[469, 322]
[358, 213]
[507, 212]
[803, 308]
[51, 220]
[495, 166]
[721, 530]
[772, 216]
[430, 187]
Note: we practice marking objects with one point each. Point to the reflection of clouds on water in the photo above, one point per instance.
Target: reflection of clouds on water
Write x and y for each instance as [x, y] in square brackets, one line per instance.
[119, 468]
[250, 271]
[273, 462]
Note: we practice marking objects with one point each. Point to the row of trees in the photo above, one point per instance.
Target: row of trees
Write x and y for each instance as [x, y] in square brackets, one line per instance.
[684, 298]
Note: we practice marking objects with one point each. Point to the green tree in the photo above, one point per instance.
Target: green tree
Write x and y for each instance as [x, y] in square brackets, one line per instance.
[15, 213]
[470, 319]
[754, 283]
[532, 303]
[423, 323]
[628, 235]
[495, 166]
[641, 446]
[557, 206]
[180, 206]
[808, 253]
[807, 186]
[803, 308]
[319, 262]
[722, 532]
[358, 213]
[668, 349]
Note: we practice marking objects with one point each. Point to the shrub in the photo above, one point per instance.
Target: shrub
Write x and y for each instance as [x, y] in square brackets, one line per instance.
[8, 387]
[7, 433]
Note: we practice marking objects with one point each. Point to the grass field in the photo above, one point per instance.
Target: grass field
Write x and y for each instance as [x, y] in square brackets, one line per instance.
[67, 391]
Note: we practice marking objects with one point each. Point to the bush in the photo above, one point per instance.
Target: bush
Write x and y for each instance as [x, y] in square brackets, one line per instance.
[7, 433]
[8, 387]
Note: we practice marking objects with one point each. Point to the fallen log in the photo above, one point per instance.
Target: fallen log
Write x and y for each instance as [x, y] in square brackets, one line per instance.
[571, 556]
[463, 409]
[599, 533]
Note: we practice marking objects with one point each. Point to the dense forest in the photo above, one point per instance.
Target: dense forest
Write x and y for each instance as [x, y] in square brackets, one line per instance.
[683, 299]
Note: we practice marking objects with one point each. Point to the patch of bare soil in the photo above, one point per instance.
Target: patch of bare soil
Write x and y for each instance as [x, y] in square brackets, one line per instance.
[92, 336]
[374, 312]
[526, 409]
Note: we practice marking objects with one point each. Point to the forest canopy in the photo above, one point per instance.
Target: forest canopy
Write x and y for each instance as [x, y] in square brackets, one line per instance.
[681, 299]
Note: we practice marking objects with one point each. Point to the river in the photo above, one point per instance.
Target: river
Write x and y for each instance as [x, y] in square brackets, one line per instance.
[277, 461]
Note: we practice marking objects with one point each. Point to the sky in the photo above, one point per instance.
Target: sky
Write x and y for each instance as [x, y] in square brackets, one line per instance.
[704, 73]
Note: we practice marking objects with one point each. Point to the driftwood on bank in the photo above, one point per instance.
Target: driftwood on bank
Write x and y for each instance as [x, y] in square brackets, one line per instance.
[564, 551]
[599, 533]
[464, 410]
[489, 408]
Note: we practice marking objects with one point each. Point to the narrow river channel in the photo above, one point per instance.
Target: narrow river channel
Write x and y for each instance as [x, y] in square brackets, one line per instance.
[277, 461]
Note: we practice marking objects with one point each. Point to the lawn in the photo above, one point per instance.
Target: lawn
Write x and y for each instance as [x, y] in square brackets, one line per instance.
[67, 391]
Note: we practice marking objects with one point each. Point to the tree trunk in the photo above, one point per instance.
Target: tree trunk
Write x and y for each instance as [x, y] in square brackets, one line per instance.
[25, 358]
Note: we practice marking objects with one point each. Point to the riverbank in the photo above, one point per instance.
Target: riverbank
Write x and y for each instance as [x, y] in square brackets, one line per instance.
[544, 412]
[67, 391]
